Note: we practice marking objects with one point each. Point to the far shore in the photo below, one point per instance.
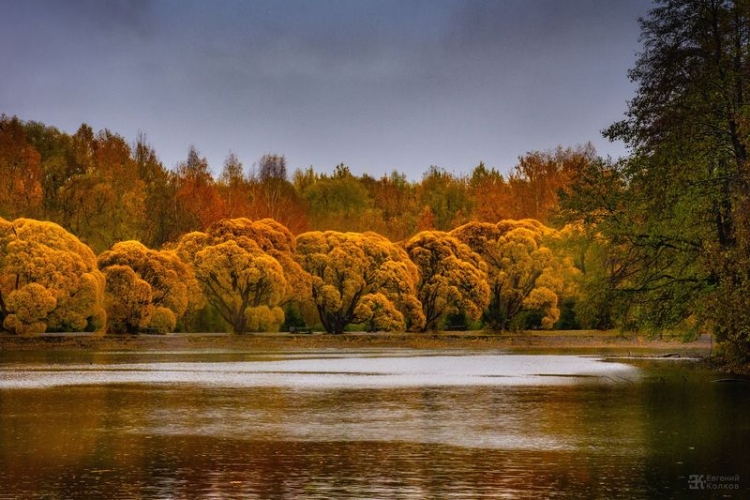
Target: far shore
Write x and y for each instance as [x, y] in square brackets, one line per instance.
[586, 340]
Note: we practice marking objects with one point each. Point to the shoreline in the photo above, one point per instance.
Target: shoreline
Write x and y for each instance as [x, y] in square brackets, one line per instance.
[573, 340]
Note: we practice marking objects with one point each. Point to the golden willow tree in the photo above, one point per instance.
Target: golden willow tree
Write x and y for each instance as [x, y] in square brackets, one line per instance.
[246, 271]
[274, 239]
[49, 280]
[360, 278]
[523, 273]
[452, 277]
[146, 289]
[128, 300]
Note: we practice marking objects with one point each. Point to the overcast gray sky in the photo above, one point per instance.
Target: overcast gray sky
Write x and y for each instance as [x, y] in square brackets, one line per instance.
[378, 85]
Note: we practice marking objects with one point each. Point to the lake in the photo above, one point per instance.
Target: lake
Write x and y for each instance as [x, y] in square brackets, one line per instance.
[379, 423]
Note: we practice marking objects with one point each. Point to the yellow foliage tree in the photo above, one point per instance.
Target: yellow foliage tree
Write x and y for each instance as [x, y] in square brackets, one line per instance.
[452, 277]
[267, 247]
[68, 288]
[359, 278]
[172, 285]
[269, 235]
[29, 307]
[243, 283]
[523, 273]
[128, 300]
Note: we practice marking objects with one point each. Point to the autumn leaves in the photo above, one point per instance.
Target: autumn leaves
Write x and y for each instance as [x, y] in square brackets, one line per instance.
[360, 278]
[248, 272]
[49, 280]
[145, 289]
[238, 264]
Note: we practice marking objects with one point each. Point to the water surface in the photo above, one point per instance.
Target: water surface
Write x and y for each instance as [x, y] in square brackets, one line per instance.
[364, 424]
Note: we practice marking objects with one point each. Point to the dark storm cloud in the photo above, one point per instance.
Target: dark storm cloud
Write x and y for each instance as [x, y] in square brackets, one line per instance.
[376, 84]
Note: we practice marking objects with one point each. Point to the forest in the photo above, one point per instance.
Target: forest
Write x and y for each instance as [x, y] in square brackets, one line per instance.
[98, 235]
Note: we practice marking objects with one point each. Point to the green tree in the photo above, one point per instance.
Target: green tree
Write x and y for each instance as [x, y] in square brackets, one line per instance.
[448, 198]
[158, 224]
[677, 208]
[52, 146]
[338, 202]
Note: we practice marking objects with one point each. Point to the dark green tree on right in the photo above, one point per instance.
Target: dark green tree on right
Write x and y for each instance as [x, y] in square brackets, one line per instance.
[675, 214]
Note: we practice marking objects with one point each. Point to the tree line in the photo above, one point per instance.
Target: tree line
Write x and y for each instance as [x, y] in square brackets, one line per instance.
[181, 250]
[105, 190]
[242, 275]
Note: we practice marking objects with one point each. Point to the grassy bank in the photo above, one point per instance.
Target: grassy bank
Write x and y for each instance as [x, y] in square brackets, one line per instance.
[557, 340]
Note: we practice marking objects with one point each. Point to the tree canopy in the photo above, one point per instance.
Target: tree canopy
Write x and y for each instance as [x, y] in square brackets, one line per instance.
[161, 286]
[105, 190]
[674, 214]
[452, 277]
[246, 271]
[49, 280]
[360, 278]
[658, 239]
[524, 274]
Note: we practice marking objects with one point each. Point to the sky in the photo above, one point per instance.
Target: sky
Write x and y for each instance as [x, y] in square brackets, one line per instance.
[375, 84]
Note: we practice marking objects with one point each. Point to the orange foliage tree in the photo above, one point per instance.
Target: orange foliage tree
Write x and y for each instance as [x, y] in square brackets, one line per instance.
[491, 195]
[265, 194]
[540, 177]
[360, 278]
[234, 188]
[395, 205]
[20, 172]
[197, 203]
[49, 280]
[102, 198]
[277, 199]
[451, 277]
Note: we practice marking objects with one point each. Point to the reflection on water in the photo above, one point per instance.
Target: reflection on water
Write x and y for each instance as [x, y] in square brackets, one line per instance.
[372, 370]
[370, 424]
